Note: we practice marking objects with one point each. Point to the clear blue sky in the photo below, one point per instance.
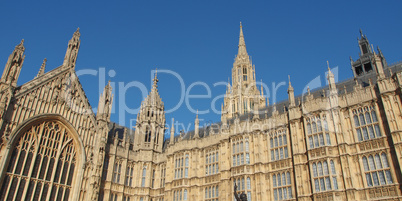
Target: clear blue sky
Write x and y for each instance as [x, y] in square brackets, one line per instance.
[198, 40]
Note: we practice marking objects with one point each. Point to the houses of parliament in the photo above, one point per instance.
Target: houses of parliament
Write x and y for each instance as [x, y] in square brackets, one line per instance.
[340, 142]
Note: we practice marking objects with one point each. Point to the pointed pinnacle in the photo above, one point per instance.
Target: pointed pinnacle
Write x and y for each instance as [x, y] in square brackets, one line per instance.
[242, 44]
[42, 68]
[329, 69]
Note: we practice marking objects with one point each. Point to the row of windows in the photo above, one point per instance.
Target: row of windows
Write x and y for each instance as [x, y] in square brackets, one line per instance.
[317, 140]
[212, 158]
[314, 125]
[240, 150]
[317, 132]
[180, 195]
[366, 123]
[278, 141]
[212, 169]
[377, 170]
[322, 176]
[239, 159]
[212, 193]
[179, 168]
[242, 188]
[241, 185]
[279, 153]
[282, 186]
[212, 163]
[240, 147]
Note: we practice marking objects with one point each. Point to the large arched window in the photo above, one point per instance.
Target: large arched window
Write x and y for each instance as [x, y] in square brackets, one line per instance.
[42, 164]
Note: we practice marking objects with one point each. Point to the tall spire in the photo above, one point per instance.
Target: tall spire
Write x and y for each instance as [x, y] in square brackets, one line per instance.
[42, 68]
[331, 79]
[242, 44]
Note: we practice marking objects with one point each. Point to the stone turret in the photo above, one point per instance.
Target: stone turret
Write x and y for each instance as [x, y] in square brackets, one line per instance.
[151, 121]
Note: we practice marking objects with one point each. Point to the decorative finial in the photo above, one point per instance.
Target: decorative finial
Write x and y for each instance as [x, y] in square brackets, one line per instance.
[329, 69]
[77, 32]
[361, 33]
[240, 25]
[308, 90]
[289, 80]
[22, 42]
[155, 78]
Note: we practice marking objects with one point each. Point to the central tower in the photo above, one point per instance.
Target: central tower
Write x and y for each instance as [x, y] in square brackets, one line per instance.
[242, 96]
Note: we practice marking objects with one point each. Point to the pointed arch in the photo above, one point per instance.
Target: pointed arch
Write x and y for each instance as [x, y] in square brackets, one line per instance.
[54, 154]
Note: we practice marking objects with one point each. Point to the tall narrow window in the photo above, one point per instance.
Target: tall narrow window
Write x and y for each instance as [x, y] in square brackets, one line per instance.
[117, 172]
[186, 167]
[144, 173]
[153, 179]
[147, 134]
[185, 195]
[129, 175]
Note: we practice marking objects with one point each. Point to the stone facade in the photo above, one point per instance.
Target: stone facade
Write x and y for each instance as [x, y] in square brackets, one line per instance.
[342, 142]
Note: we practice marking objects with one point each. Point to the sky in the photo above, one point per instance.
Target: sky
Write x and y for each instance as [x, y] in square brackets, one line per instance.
[193, 45]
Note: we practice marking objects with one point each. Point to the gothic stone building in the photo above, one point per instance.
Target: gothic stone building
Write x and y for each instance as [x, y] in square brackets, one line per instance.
[342, 142]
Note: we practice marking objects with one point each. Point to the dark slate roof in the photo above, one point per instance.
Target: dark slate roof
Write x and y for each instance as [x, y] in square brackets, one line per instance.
[116, 129]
